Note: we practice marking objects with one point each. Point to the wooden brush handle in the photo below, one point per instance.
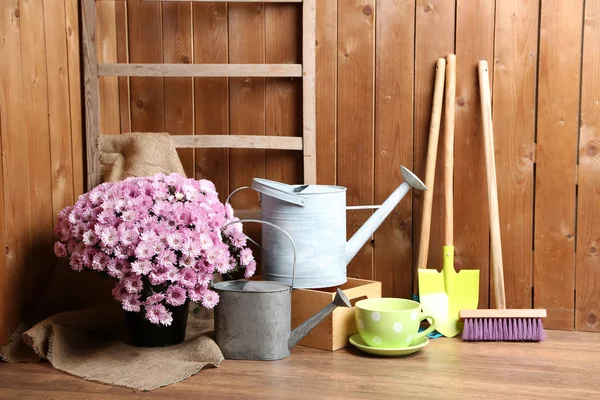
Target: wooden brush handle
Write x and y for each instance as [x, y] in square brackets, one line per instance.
[434, 135]
[492, 188]
[449, 149]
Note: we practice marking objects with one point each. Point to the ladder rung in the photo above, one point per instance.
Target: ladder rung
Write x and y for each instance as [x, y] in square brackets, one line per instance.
[230, 1]
[237, 141]
[206, 70]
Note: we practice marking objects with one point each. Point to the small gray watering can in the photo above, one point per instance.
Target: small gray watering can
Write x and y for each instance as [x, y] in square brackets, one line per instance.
[253, 318]
[315, 217]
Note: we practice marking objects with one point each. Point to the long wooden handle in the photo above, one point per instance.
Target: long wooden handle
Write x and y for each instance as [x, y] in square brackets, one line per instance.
[449, 109]
[492, 188]
[432, 148]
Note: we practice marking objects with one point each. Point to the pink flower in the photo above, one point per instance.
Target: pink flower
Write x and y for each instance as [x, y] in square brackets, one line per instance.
[122, 252]
[75, 216]
[159, 276]
[133, 283]
[131, 303]
[148, 235]
[159, 235]
[190, 248]
[116, 268]
[246, 256]
[187, 278]
[75, 262]
[120, 205]
[90, 238]
[158, 314]
[207, 186]
[196, 293]
[143, 251]
[176, 295]
[174, 240]
[107, 217]
[128, 235]
[119, 292]
[250, 269]
[204, 279]
[87, 257]
[205, 241]
[209, 299]
[155, 298]
[77, 230]
[60, 250]
[190, 192]
[109, 237]
[100, 261]
[239, 240]
[222, 265]
[167, 258]
[141, 267]
[234, 228]
[228, 211]
[186, 262]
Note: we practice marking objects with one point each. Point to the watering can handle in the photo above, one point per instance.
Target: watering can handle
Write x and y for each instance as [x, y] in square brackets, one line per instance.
[267, 187]
[270, 188]
[276, 227]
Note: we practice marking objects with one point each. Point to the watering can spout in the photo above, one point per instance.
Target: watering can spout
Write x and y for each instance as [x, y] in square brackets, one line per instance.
[366, 231]
[340, 300]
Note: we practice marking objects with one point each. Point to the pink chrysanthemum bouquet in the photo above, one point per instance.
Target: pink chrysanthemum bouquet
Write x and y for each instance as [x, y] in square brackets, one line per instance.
[160, 239]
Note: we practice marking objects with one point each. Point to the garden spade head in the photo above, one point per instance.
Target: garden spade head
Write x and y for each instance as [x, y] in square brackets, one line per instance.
[444, 294]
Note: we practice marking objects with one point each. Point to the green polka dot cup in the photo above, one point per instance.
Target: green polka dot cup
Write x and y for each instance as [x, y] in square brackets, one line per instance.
[390, 322]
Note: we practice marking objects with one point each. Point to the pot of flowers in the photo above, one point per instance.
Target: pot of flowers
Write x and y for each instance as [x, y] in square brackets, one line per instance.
[160, 239]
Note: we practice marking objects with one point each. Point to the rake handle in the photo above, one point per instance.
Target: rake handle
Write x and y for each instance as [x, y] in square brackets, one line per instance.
[434, 134]
[492, 188]
[449, 149]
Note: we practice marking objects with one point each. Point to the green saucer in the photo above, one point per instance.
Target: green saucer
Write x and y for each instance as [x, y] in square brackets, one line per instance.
[358, 342]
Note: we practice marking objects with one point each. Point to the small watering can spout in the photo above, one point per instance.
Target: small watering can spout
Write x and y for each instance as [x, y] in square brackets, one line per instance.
[366, 231]
[304, 328]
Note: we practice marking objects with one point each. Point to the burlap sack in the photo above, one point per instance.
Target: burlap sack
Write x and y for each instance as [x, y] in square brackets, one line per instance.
[77, 326]
[137, 154]
[90, 344]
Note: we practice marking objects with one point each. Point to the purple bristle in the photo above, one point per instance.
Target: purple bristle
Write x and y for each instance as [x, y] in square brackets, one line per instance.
[503, 329]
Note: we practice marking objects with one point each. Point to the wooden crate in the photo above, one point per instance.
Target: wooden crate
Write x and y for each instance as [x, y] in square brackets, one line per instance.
[334, 331]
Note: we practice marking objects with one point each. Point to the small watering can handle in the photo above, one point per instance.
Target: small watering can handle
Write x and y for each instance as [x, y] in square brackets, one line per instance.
[235, 191]
[276, 227]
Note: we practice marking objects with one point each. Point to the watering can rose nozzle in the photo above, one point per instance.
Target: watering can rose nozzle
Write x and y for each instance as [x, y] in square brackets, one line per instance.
[340, 300]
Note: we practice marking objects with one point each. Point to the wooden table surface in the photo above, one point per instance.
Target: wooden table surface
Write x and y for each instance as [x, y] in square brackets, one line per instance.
[563, 367]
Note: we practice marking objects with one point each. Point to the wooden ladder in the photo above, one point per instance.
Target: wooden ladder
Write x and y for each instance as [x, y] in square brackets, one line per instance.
[92, 70]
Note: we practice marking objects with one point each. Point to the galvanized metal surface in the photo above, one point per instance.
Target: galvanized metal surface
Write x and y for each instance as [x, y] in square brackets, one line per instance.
[253, 325]
[253, 319]
[315, 217]
[319, 231]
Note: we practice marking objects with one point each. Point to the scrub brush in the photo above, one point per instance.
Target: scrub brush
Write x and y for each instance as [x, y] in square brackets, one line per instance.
[497, 324]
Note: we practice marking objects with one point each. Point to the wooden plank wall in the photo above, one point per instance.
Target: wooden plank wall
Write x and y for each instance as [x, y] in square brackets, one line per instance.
[42, 153]
[375, 67]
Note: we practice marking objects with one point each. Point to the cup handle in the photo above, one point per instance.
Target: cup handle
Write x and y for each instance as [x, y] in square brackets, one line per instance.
[432, 326]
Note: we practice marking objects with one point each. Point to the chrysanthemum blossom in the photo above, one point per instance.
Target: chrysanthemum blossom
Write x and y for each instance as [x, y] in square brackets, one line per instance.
[160, 238]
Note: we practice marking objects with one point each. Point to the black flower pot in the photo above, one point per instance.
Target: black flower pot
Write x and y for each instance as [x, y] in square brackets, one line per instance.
[143, 333]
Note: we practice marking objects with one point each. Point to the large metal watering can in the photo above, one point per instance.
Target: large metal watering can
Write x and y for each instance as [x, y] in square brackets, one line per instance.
[253, 318]
[315, 217]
